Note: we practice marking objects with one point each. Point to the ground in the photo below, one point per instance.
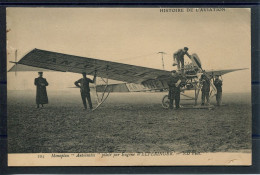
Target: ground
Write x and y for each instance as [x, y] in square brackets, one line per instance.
[126, 122]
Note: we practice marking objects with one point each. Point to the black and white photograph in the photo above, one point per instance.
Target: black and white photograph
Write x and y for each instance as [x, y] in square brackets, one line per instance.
[129, 86]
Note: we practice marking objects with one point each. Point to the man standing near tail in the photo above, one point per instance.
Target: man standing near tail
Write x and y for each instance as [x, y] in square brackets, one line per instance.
[218, 85]
[83, 84]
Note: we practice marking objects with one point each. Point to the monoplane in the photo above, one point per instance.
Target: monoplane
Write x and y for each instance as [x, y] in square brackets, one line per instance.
[133, 78]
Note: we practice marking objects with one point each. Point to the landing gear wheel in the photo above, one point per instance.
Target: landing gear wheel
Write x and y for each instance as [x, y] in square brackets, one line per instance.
[165, 102]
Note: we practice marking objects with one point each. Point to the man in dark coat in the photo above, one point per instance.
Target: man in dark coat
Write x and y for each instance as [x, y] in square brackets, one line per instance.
[179, 57]
[83, 84]
[218, 85]
[174, 90]
[41, 93]
[205, 89]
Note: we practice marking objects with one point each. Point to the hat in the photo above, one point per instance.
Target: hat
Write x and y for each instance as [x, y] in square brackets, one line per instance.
[84, 73]
[40, 72]
[173, 71]
[186, 48]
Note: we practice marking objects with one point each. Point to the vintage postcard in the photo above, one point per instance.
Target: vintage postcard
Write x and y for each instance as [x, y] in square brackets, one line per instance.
[129, 86]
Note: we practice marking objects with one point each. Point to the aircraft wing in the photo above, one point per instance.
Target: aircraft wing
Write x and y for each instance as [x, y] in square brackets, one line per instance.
[126, 87]
[222, 72]
[43, 59]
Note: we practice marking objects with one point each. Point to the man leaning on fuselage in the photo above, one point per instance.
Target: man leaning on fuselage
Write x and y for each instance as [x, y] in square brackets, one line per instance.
[179, 57]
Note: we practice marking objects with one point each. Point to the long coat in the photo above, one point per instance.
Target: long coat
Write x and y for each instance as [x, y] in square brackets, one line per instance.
[41, 93]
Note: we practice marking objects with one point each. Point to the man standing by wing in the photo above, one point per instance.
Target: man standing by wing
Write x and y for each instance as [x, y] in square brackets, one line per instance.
[205, 90]
[179, 56]
[218, 85]
[83, 84]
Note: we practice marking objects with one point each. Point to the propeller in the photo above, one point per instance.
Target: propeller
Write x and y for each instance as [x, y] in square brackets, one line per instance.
[162, 53]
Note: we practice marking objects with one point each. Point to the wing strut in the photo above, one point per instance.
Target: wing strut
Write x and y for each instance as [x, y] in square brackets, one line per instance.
[105, 93]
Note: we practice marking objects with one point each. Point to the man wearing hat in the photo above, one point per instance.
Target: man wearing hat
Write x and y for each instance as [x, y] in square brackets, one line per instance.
[174, 89]
[83, 84]
[179, 56]
[218, 85]
[41, 93]
[205, 89]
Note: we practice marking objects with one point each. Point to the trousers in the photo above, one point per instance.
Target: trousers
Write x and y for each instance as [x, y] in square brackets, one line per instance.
[219, 98]
[85, 95]
[205, 94]
[180, 61]
[177, 100]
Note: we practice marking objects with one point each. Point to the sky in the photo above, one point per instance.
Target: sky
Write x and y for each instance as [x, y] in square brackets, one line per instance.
[134, 36]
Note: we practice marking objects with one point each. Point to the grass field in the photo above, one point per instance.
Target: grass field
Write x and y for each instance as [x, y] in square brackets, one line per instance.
[133, 122]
